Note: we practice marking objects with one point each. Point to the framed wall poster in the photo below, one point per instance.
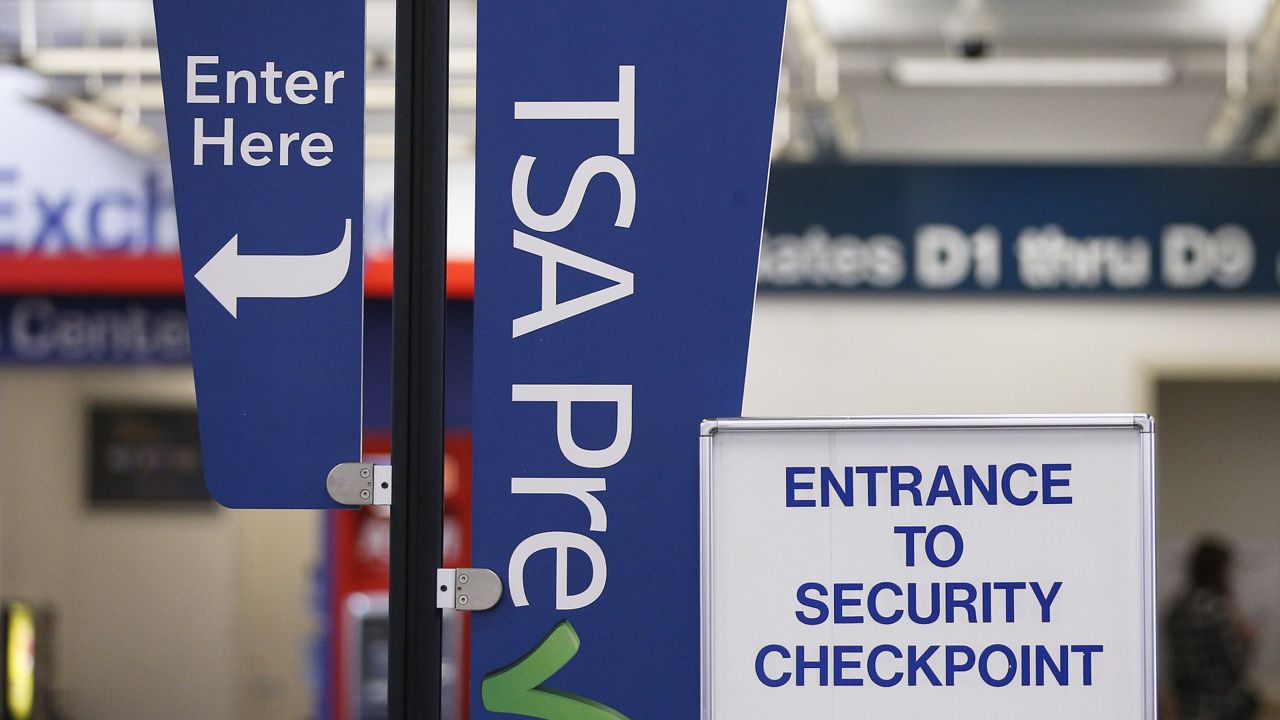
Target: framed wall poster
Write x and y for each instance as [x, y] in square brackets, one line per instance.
[145, 455]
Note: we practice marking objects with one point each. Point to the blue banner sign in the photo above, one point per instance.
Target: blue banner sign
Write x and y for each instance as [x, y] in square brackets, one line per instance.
[622, 163]
[1173, 230]
[265, 111]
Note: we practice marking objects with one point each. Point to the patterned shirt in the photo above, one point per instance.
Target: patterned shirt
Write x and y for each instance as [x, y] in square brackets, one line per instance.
[1208, 658]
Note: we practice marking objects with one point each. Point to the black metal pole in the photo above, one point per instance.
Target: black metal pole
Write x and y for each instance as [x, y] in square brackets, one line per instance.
[417, 437]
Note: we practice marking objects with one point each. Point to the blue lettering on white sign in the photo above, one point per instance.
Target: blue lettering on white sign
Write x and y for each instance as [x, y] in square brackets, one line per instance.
[133, 218]
[874, 601]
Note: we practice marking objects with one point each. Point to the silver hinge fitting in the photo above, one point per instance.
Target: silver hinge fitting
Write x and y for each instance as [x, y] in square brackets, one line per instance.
[467, 589]
[360, 484]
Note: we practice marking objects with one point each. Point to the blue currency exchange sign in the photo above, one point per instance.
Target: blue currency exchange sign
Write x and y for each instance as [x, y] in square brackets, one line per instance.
[265, 111]
[622, 163]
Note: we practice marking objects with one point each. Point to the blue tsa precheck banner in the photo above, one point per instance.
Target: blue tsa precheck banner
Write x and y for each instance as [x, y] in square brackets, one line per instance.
[622, 164]
[265, 110]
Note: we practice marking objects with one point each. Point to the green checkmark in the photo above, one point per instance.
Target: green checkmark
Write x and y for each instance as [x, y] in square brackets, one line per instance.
[517, 688]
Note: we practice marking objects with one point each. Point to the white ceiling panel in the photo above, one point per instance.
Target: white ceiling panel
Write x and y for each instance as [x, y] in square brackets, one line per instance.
[1056, 22]
[1008, 125]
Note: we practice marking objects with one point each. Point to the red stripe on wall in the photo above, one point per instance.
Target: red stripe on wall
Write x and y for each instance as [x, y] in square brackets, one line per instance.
[151, 275]
[72, 275]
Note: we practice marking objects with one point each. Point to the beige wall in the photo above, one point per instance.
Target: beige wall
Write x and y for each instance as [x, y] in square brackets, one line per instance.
[1220, 460]
[957, 356]
[277, 551]
[162, 614]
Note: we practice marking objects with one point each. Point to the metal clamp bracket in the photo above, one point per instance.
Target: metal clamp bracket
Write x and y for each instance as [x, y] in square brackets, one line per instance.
[467, 589]
[360, 484]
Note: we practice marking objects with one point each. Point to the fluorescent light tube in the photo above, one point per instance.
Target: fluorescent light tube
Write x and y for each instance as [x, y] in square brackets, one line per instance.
[943, 72]
[93, 61]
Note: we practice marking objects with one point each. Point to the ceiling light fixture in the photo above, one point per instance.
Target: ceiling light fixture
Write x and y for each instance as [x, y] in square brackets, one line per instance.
[1043, 72]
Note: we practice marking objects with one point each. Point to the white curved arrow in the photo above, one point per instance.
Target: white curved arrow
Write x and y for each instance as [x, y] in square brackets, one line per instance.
[229, 276]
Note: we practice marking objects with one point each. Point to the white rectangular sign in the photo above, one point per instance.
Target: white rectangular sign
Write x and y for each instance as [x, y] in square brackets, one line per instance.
[922, 567]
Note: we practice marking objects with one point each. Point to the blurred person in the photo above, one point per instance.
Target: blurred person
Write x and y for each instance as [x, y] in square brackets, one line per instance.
[1209, 642]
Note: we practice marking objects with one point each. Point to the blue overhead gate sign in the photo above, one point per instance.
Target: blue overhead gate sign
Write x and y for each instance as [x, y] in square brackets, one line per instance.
[265, 112]
[1118, 230]
[622, 163]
